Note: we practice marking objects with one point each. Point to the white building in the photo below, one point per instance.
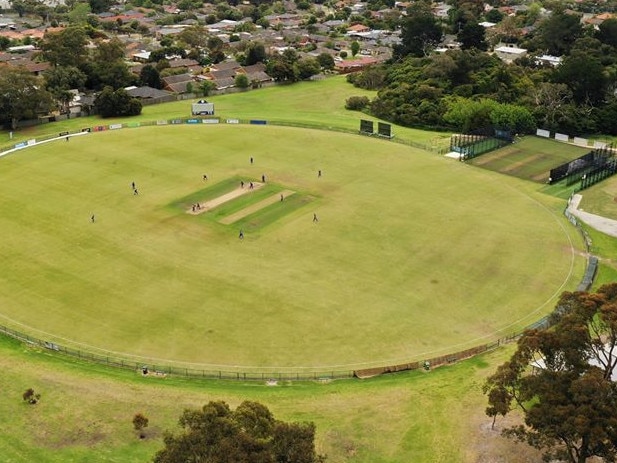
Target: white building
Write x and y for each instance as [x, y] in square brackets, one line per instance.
[509, 53]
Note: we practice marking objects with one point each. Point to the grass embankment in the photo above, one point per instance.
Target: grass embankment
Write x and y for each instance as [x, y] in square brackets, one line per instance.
[85, 412]
[319, 104]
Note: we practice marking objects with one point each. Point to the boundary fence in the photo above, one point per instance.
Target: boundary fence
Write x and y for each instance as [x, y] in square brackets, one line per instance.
[592, 164]
[8, 147]
[267, 374]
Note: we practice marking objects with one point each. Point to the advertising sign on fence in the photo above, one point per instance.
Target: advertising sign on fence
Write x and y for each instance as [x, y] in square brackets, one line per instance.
[543, 133]
[115, 126]
[581, 141]
[233, 121]
[161, 122]
[210, 121]
[561, 137]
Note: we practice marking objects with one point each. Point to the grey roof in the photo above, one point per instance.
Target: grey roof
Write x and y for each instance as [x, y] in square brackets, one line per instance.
[225, 82]
[146, 92]
[179, 87]
[223, 65]
[258, 76]
[179, 78]
[257, 67]
[223, 73]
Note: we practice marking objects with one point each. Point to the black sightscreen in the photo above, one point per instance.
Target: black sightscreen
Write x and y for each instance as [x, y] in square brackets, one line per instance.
[384, 130]
[366, 126]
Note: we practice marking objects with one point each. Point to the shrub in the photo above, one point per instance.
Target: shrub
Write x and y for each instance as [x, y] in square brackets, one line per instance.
[30, 396]
[357, 103]
[140, 422]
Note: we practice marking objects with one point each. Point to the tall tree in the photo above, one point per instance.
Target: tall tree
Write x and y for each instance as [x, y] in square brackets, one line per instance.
[66, 47]
[607, 32]
[420, 32]
[355, 48]
[284, 67]
[307, 67]
[570, 402]
[64, 78]
[558, 33]
[255, 53]
[111, 103]
[472, 35]
[326, 61]
[108, 66]
[150, 77]
[584, 74]
[79, 14]
[217, 434]
[193, 36]
[22, 96]
[550, 101]
[216, 49]
[108, 51]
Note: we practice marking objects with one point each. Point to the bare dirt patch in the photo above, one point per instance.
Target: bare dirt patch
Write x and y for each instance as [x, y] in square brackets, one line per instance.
[487, 445]
[209, 205]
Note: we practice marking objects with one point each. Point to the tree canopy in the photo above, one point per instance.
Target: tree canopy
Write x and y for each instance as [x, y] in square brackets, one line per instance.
[111, 103]
[249, 434]
[22, 95]
[569, 401]
[420, 32]
[66, 47]
[558, 32]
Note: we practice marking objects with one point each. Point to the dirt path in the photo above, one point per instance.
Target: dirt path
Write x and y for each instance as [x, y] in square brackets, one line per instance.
[255, 207]
[208, 205]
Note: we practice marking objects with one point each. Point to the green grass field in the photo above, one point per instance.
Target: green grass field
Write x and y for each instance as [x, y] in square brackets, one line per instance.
[529, 158]
[414, 256]
[601, 199]
[319, 104]
[411, 250]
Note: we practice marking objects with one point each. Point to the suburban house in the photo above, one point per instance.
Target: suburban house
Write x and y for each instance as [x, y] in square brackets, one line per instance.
[509, 53]
[347, 66]
[149, 95]
[178, 83]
